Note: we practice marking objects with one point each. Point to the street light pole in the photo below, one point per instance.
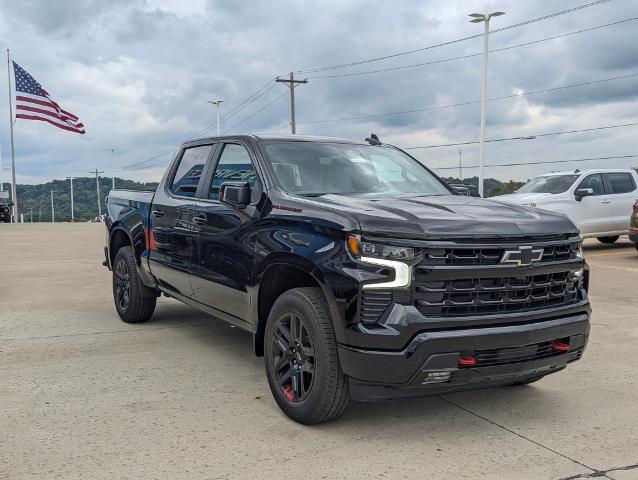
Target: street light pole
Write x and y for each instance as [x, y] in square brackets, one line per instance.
[460, 166]
[72, 215]
[478, 18]
[217, 103]
[112, 167]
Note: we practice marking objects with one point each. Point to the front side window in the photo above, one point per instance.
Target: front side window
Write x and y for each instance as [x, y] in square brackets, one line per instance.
[621, 182]
[234, 165]
[189, 171]
[314, 169]
[595, 182]
[549, 184]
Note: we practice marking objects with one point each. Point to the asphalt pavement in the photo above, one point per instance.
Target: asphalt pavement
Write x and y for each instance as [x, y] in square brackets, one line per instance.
[86, 396]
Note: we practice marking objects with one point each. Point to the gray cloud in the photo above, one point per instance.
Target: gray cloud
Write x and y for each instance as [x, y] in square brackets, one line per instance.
[139, 73]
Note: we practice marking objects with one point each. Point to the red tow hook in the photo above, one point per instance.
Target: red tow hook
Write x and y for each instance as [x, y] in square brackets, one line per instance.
[289, 394]
[467, 361]
[560, 346]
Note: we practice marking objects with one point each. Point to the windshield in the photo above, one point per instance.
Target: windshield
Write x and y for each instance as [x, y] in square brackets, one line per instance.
[313, 169]
[4, 201]
[552, 184]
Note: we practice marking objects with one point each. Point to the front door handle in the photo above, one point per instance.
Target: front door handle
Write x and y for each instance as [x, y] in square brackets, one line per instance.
[604, 201]
[157, 213]
[199, 220]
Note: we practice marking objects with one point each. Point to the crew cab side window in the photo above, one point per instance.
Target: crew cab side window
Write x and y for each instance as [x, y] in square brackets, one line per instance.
[189, 172]
[595, 182]
[621, 182]
[235, 165]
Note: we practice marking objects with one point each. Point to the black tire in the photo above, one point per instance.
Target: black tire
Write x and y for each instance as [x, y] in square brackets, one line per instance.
[131, 306]
[526, 382]
[610, 239]
[307, 353]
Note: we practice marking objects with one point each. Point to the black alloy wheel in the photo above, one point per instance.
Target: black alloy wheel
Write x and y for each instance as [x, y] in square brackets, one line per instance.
[132, 302]
[122, 284]
[293, 357]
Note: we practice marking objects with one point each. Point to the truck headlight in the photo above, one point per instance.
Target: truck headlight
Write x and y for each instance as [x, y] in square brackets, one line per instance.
[388, 256]
[375, 250]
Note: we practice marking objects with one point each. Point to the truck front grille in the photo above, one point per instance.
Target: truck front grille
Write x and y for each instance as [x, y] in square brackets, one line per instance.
[466, 279]
[483, 296]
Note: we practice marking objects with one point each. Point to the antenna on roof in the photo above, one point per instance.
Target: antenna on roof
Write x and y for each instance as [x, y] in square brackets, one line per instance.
[373, 139]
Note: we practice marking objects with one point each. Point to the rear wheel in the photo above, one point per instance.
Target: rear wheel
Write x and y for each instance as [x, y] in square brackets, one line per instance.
[301, 359]
[131, 306]
[610, 239]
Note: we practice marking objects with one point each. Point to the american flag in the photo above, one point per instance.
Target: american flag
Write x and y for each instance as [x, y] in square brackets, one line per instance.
[34, 103]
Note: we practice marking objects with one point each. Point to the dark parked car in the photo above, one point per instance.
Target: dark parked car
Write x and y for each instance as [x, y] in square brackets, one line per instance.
[5, 210]
[360, 274]
[633, 225]
[465, 189]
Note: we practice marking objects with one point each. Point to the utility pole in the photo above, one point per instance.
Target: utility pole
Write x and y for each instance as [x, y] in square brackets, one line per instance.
[52, 208]
[478, 18]
[72, 215]
[218, 104]
[292, 83]
[31, 215]
[460, 166]
[97, 185]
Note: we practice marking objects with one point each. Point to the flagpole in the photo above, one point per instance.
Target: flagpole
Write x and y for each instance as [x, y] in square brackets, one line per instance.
[14, 195]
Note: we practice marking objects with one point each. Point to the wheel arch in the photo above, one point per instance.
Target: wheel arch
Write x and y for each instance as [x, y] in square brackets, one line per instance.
[280, 274]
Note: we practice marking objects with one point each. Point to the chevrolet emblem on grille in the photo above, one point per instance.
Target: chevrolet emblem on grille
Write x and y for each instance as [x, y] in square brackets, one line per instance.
[522, 257]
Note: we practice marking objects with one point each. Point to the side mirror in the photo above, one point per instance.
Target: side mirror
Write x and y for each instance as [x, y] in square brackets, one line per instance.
[235, 193]
[583, 192]
[11, 204]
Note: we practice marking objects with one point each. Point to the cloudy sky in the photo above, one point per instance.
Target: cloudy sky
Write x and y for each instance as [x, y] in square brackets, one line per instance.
[138, 73]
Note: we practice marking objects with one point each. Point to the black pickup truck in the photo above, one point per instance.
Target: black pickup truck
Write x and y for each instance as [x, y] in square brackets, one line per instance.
[5, 210]
[360, 274]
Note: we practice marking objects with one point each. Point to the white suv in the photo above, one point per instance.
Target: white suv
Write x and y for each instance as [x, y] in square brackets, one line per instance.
[598, 201]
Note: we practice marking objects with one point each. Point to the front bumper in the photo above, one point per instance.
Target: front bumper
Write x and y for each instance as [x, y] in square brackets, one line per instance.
[505, 354]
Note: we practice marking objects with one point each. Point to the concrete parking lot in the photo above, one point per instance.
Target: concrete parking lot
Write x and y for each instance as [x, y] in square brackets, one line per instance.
[84, 395]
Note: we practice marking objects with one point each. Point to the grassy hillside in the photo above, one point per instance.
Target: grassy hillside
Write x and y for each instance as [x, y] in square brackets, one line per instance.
[38, 197]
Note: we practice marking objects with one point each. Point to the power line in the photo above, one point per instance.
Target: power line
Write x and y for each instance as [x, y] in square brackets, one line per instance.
[471, 102]
[526, 137]
[450, 42]
[255, 113]
[471, 55]
[538, 163]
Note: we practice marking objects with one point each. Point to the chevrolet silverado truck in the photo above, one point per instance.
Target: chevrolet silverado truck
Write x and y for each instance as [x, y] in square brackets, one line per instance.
[360, 274]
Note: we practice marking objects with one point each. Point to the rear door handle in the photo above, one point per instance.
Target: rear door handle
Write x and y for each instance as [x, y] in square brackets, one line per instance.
[199, 220]
[157, 213]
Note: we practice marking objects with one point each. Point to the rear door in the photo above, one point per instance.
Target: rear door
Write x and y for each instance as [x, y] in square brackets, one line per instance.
[226, 242]
[593, 214]
[622, 188]
[173, 234]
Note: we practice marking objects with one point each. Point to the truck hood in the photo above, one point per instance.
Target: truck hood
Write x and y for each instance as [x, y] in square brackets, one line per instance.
[446, 216]
[523, 198]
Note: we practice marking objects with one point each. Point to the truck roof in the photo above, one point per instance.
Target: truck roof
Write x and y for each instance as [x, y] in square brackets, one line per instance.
[591, 170]
[283, 137]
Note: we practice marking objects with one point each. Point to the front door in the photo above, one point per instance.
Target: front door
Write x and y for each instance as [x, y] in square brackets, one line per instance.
[173, 233]
[593, 214]
[225, 255]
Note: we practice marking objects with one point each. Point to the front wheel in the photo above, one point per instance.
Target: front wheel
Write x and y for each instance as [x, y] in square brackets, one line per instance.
[610, 239]
[131, 306]
[301, 359]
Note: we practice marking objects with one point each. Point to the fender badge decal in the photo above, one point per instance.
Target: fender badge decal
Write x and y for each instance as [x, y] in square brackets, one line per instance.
[288, 209]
